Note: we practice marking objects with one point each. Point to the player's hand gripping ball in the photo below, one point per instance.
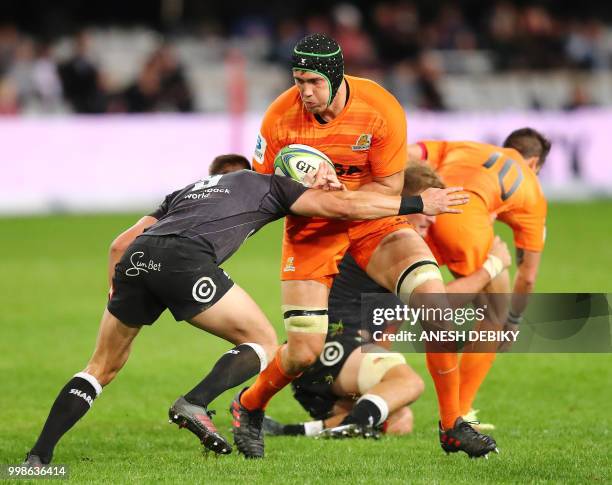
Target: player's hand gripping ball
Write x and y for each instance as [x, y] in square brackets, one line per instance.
[301, 162]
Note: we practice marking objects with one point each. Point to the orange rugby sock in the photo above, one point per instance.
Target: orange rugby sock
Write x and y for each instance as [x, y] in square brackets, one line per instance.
[473, 369]
[268, 383]
[444, 370]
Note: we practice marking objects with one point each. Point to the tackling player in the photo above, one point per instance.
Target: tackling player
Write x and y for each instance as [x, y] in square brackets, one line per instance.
[501, 181]
[175, 265]
[352, 367]
[361, 127]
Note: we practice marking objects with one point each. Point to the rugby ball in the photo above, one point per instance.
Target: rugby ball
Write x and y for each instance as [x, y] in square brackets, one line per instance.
[296, 161]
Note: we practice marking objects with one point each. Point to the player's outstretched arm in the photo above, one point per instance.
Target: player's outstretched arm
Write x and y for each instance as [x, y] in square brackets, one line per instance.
[123, 240]
[369, 205]
[528, 263]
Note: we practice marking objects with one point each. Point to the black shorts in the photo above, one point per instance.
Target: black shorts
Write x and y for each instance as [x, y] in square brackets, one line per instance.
[159, 272]
[313, 389]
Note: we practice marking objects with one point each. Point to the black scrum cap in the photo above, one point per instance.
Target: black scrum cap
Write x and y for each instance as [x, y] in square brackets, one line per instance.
[322, 55]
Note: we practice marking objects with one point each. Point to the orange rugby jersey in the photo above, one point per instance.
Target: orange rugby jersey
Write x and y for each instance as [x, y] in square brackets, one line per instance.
[367, 139]
[502, 178]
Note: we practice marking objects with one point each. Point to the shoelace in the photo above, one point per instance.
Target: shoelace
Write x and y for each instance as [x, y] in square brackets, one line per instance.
[466, 425]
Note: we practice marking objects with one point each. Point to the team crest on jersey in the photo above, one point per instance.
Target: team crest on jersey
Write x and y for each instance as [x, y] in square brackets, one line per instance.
[363, 142]
[289, 266]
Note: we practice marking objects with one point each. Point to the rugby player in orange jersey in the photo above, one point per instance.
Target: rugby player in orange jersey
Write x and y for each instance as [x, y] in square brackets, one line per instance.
[503, 182]
[362, 128]
[356, 361]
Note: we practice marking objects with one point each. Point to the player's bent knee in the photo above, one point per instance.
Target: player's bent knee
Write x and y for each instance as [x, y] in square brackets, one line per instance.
[303, 359]
[305, 319]
[374, 366]
[416, 275]
[414, 384]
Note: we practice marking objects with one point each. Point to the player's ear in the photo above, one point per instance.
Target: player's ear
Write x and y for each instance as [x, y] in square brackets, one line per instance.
[533, 163]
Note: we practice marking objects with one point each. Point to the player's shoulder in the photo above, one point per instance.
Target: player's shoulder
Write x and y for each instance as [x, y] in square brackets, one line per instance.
[285, 105]
[531, 178]
[375, 96]
[246, 177]
[534, 186]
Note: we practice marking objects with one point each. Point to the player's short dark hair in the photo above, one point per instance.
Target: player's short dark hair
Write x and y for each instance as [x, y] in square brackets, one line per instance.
[529, 143]
[230, 162]
[418, 178]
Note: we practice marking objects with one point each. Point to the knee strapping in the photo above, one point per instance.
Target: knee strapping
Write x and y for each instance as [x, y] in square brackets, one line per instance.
[414, 276]
[374, 366]
[305, 319]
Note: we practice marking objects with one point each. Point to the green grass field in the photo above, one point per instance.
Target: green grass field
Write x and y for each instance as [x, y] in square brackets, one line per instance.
[553, 411]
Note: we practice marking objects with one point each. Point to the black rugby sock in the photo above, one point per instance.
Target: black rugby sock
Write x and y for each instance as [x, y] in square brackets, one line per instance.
[365, 413]
[71, 404]
[233, 368]
[294, 429]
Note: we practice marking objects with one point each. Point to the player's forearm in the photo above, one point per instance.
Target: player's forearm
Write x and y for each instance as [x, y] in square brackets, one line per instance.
[465, 287]
[524, 283]
[370, 205]
[520, 294]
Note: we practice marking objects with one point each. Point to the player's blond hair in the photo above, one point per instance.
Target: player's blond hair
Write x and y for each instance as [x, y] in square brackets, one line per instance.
[418, 178]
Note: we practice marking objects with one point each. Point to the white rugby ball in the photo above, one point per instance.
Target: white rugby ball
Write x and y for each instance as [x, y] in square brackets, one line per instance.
[297, 161]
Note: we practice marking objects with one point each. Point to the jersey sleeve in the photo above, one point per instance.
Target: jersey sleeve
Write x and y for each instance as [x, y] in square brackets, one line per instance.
[162, 210]
[528, 223]
[434, 152]
[389, 149]
[284, 191]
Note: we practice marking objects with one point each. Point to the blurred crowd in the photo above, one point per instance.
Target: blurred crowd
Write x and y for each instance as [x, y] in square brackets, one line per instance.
[30, 75]
[406, 47]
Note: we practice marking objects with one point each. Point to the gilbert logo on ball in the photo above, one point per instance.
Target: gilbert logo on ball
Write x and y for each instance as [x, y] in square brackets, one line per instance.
[297, 161]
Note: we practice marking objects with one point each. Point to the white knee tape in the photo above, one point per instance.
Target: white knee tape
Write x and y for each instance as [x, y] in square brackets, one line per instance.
[305, 319]
[261, 353]
[414, 276]
[374, 366]
[91, 379]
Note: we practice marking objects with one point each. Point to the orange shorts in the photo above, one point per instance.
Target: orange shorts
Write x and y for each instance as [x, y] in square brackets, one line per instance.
[462, 241]
[313, 248]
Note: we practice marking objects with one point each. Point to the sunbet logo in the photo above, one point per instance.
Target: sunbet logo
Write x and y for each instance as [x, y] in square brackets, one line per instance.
[82, 395]
[138, 265]
[303, 166]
